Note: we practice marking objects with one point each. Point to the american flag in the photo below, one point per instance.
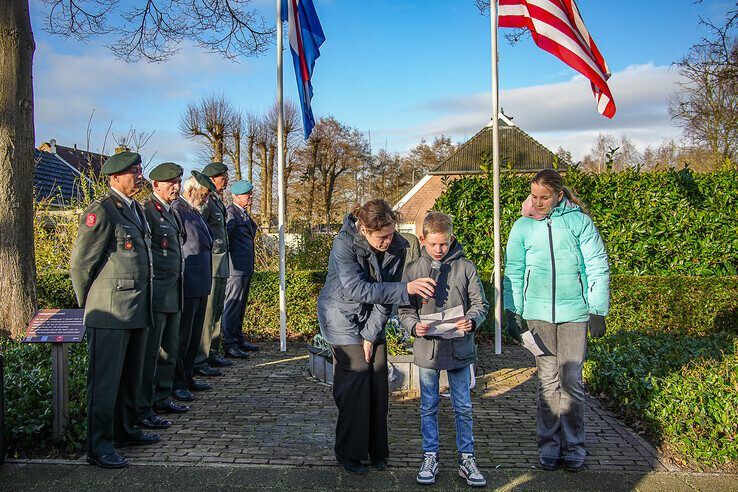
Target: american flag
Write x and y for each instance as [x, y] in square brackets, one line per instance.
[557, 27]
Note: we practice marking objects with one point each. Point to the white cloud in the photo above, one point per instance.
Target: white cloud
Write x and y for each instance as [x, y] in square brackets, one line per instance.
[563, 113]
[145, 96]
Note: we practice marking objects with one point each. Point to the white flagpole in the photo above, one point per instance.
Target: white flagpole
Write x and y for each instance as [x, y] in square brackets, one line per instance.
[280, 187]
[496, 177]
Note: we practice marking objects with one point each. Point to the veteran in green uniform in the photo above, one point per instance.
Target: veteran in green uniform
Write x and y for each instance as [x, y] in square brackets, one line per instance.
[111, 273]
[214, 213]
[162, 347]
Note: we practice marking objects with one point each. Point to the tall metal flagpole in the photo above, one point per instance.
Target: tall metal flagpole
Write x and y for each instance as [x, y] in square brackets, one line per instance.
[496, 177]
[280, 187]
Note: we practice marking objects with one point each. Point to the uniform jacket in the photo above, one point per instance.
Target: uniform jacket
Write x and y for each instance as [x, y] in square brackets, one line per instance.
[167, 238]
[458, 285]
[241, 233]
[111, 265]
[196, 250]
[556, 269]
[357, 297]
[214, 213]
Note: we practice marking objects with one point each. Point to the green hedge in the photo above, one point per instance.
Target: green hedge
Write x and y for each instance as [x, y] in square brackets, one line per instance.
[661, 223]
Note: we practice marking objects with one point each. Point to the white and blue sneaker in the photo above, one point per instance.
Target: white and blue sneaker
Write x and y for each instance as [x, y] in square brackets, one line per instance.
[428, 469]
[469, 470]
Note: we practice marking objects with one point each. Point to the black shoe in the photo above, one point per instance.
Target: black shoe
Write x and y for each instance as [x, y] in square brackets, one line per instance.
[550, 464]
[142, 440]
[573, 465]
[236, 353]
[183, 395]
[199, 386]
[206, 370]
[379, 464]
[248, 347]
[112, 460]
[171, 407]
[155, 422]
[216, 360]
[354, 466]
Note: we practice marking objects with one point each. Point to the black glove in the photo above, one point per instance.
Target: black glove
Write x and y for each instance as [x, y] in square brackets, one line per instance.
[596, 325]
[514, 323]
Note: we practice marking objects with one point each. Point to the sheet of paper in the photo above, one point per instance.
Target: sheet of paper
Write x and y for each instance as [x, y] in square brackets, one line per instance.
[443, 324]
[534, 344]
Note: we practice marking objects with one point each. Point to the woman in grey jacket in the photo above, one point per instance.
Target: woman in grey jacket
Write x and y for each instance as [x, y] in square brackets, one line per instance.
[362, 284]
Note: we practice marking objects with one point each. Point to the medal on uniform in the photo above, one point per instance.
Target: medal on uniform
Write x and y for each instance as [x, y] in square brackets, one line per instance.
[165, 245]
[128, 244]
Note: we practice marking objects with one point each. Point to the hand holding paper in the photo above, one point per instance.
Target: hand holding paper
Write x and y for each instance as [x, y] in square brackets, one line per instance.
[443, 324]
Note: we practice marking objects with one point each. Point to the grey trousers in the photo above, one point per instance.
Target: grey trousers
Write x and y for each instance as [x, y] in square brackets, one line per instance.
[211, 340]
[560, 416]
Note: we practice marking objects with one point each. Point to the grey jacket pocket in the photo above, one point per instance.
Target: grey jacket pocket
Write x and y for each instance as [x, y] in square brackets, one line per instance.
[463, 347]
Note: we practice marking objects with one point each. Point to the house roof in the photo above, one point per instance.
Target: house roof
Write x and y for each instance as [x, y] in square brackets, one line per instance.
[88, 163]
[56, 181]
[518, 150]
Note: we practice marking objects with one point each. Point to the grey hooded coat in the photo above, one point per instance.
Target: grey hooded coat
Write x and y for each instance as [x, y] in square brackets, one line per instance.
[356, 300]
[458, 285]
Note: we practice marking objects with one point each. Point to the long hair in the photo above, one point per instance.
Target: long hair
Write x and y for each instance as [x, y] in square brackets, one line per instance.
[550, 178]
[375, 215]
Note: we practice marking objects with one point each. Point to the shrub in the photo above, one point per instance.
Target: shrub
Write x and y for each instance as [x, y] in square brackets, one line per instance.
[660, 223]
[28, 413]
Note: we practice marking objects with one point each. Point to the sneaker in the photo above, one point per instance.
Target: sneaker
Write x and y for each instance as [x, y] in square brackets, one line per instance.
[428, 469]
[469, 470]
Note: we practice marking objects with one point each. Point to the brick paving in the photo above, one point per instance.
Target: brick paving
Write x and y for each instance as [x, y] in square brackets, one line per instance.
[267, 411]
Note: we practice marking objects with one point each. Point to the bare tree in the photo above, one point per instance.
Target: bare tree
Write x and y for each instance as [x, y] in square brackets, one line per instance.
[610, 154]
[706, 105]
[208, 120]
[148, 29]
[234, 132]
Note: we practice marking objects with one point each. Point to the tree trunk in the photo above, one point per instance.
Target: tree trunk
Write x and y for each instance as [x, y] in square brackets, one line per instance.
[311, 176]
[251, 157]
[218, 143]
[264, 179]
[237, 156]
[17, 134]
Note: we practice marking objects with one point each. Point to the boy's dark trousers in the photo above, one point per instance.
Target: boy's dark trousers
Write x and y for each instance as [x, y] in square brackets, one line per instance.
[361, 392]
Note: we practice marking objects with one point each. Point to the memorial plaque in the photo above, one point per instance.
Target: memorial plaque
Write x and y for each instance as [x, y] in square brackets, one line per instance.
[56, 326]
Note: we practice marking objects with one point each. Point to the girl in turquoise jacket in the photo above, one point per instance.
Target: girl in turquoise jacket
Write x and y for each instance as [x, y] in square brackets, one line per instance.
[557, 280]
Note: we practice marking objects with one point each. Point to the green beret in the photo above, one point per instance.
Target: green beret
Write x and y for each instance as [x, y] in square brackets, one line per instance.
[204, 181]
[242, 187]
[120, 162]
[166, 171]
[214, 169]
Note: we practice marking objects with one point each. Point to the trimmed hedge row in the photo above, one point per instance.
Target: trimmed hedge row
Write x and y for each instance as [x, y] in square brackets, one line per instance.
[660, 223]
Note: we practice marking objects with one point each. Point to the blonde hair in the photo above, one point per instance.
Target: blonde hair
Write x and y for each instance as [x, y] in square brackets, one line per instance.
[437, 223]
[550, 178]
[375, 215]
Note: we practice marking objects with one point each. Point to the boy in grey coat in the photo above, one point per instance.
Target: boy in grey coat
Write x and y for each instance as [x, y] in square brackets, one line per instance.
[458, 284]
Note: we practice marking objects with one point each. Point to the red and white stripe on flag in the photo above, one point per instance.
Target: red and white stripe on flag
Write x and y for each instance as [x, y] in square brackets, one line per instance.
[557, 27]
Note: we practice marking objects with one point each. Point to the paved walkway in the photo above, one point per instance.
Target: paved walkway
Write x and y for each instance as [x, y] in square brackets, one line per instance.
[37, 476]
[267, 410]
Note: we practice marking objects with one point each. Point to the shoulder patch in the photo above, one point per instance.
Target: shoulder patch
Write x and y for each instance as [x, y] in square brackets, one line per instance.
[91, 219]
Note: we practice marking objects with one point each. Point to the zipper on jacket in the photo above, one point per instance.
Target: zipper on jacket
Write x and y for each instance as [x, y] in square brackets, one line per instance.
[553, 271]
[527, 283]
[581, 286]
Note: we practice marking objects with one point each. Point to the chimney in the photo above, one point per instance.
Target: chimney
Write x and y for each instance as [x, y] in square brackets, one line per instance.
[52, 146]
[75, 146]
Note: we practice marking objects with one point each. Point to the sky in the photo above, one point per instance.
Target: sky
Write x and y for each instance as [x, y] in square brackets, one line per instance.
[400, 71]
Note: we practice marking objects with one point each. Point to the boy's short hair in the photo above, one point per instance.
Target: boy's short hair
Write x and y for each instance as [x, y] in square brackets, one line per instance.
[437, 223]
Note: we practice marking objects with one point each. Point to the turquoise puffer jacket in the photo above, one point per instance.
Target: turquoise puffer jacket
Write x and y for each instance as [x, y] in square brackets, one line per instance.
[556, 268]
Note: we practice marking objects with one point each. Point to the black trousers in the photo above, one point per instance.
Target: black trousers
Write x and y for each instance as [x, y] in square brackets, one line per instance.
[162, 347]
[113, 385]
[190, 334]
[236, 297]
[361, 392]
